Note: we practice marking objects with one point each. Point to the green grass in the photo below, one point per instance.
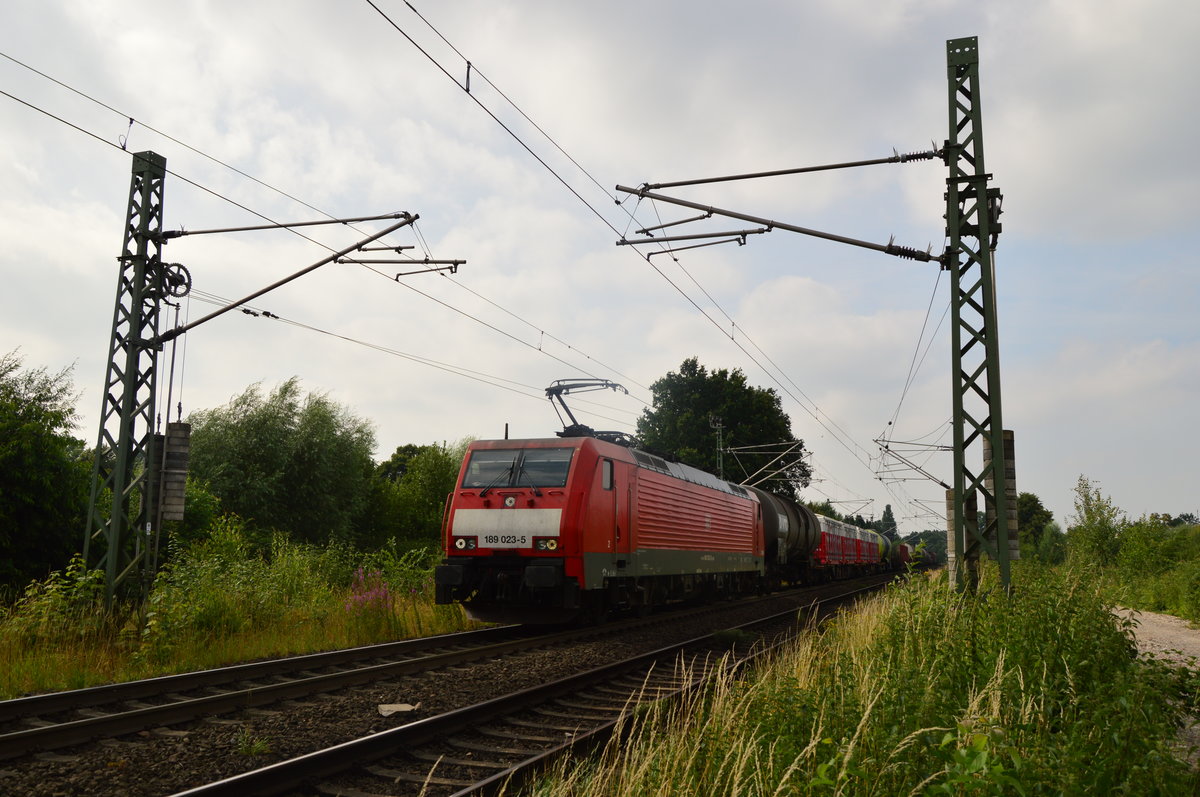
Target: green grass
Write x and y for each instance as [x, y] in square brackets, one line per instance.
[922, 691]
[219, 602]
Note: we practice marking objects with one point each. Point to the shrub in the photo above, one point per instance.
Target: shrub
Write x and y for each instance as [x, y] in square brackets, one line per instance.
[371, 608]
[223, 586]
[923, 691]
[1093, 539]
[66, 605]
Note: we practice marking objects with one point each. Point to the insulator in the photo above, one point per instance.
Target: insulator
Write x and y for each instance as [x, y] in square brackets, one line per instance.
[918, 156]
[907, 252]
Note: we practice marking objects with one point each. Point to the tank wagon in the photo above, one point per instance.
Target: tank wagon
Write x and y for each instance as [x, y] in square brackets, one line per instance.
[548, 530]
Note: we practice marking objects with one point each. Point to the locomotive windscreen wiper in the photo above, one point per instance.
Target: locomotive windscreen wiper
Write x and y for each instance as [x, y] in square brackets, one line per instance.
[521, 470]
[504, 474]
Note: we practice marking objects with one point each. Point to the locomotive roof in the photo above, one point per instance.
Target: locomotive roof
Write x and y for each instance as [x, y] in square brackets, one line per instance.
[643, 458]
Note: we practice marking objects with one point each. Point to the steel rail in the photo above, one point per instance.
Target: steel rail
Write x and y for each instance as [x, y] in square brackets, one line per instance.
[53, 702]
[52, 736]
[65, 734]
[525, 771]
[304, 770]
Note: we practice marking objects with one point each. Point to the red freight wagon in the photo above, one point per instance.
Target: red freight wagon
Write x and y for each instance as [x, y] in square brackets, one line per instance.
[843, 546]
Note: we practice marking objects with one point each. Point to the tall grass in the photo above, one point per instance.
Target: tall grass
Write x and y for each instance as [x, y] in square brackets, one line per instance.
[923, 691]
[220, 601]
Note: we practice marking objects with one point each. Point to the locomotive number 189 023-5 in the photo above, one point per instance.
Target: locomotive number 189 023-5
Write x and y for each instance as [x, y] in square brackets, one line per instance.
[507, 540]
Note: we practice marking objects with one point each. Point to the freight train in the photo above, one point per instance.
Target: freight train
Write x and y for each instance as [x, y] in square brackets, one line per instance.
[558, 529]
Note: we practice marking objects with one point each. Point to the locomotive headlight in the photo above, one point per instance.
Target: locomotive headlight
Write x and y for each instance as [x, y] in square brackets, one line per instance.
[464, 543]
[551, 545]
[545, 544]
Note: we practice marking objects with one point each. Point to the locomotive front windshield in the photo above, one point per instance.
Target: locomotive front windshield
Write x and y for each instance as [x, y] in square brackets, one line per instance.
[518, 467]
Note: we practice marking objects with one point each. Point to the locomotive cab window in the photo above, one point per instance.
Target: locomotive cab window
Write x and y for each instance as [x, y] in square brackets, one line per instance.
[606, 474]
[490, 468]
[544, 467]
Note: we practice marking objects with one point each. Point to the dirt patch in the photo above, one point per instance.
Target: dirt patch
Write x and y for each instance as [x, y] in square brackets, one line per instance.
[1176, 640]
[1165, 636]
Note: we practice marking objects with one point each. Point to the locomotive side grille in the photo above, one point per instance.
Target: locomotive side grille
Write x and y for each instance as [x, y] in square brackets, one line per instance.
[670, 515]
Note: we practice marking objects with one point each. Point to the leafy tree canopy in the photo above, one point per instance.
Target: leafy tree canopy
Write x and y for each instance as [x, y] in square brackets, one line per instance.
[1032, 518]
[687, 405]
[1093, 537]
[934, 541]
[395, 466]
[887, 523]
[1186, 519]
[409, 508]
[297, 463]
[1052, 546]
[44, 475]
[823, 508]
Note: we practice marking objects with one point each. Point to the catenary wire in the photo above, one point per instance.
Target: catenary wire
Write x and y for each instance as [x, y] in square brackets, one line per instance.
[731, 335]
[319, 243]
[838, 435]
[915, 364]
[420, 237]
[500, 382]
[268, 219]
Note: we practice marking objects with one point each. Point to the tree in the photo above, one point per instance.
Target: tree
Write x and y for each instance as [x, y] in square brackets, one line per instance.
[44, 474]
[887, 524]
[1094, 537]
[1052, 546]
[823, 507]
[933, 540]
[1145, 548]
[430, 477]
[299, 464]
[1186, 519]
[687, 406]
[1032, 518]
[396, 465]
[408, 508]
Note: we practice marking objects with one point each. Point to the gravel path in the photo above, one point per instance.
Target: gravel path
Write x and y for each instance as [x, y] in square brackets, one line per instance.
[1165, 636]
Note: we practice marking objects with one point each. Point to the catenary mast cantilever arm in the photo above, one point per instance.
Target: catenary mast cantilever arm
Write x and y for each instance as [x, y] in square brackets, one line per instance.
[281, 225]
[409, 218]
[889, 249]
[896, 158]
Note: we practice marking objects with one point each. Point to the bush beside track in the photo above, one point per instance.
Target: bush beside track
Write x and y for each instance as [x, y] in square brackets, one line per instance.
[220, 601]
[923, 691]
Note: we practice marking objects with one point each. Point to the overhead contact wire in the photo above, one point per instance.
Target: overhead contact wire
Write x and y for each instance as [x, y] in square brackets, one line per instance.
[604, 220]
[457, 370]
[424, 244]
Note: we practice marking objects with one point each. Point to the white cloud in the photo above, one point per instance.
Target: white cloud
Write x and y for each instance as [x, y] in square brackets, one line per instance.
[1088, 124]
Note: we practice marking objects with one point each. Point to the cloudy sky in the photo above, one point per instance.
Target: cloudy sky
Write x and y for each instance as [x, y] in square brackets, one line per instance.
[295, 109]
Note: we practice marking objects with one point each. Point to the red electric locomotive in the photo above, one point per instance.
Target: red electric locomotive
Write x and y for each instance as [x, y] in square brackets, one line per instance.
[556, 529]
[544, 530]
[550, 530]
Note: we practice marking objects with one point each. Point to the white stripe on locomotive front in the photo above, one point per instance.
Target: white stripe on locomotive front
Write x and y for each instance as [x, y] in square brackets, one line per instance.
[539, 522]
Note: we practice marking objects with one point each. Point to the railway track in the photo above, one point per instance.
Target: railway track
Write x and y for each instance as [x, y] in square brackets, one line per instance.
[448, 673]
[62, 719]
[44, 723]
[512, 738]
